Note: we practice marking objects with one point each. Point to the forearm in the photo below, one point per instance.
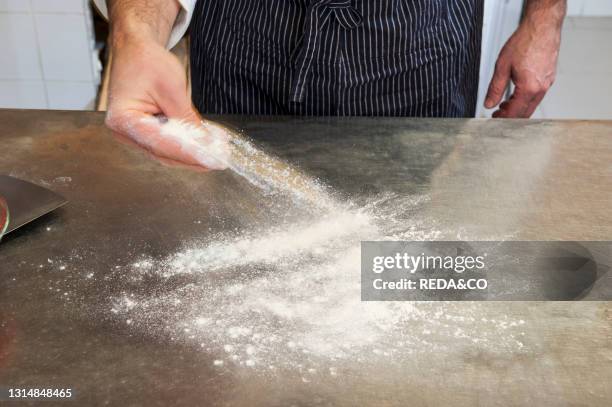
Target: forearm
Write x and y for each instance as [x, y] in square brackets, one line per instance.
[142, 19]
[544, 14]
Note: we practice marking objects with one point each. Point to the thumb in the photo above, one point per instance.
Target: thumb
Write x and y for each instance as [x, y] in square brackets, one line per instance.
[175, 103]
[186, 113]
[181, 109]
[499, 83]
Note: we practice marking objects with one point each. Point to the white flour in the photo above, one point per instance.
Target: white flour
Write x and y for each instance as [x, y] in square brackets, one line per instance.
[206, 144]
[217, 147]
[289, 296]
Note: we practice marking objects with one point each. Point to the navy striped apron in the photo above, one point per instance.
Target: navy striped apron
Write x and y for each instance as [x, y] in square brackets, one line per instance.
[336, 57]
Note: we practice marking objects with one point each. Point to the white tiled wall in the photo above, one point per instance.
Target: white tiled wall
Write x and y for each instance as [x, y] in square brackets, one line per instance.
[58, 6]
[23, 94]
[65, 95]
[47, 55]
[14, 5]
[19, 48]
[65, 52]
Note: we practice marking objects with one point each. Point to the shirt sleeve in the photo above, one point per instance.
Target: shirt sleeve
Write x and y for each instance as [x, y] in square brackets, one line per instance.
[180, 25]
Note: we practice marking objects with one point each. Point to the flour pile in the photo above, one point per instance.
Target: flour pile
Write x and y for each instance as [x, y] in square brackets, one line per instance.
[289, 298]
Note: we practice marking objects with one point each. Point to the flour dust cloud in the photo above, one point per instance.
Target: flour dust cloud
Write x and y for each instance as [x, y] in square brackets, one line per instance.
[288, 296]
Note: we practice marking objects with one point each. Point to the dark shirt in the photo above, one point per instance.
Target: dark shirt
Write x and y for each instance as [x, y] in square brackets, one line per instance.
[337, 57]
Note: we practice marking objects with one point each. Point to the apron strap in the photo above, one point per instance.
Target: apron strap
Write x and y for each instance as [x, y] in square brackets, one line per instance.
[318, 15]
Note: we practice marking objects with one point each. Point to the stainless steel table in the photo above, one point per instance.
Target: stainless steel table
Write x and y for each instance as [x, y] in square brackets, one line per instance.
[474, 179]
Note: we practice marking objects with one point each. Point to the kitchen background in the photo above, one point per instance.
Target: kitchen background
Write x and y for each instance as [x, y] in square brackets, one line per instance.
[53, 56]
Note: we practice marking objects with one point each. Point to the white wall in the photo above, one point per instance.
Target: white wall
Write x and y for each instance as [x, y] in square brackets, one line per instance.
[583, 85]
[47, 55]
[589, 8]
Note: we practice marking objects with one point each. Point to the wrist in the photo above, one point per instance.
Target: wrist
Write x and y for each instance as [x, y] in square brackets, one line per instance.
[142, 20]
[132, 33]
[544, 16]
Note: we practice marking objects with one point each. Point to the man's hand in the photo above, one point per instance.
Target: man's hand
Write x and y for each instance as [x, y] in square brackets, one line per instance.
[529, 59]
[146, 79]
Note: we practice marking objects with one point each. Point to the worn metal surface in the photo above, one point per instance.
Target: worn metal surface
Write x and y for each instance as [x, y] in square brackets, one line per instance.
[483, 179]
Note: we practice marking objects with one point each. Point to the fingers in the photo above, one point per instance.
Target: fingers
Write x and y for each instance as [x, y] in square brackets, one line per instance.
[172, 163]
[146, 131]
[522, 103]
[515, 107]
[174, 141]
[534, 104]
[204, 143]
[177, 105]
[499, 82]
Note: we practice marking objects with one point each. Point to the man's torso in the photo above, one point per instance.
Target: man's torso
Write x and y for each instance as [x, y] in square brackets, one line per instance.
[336, 57]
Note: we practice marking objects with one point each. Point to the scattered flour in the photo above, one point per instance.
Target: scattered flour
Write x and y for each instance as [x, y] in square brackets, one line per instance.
[62, 180]
[217, 147]
[289, 296]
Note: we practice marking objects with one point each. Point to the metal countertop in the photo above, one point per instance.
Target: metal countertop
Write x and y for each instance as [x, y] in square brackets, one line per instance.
[463, 179]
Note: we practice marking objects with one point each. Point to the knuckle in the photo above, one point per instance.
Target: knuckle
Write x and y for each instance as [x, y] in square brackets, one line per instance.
[501, 64]
[533, 87]
[191, 115]
[171, 81]
[110, 120]
[538, 88]
[113, 120]
[496, 88]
